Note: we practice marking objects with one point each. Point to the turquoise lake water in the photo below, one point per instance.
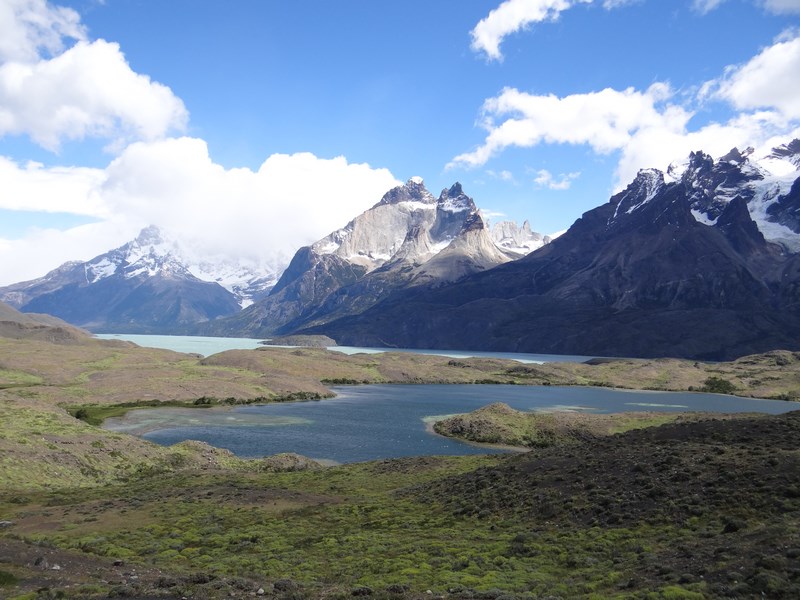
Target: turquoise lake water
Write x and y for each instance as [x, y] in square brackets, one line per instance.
[212, 345]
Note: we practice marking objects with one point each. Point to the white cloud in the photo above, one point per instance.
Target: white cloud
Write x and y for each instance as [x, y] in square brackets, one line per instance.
[651, 128]
[60, 189]
[545, 178]
[262, 215]
[769, 80]
[29, 26]
[44, 249]
[606, 120]
[492, 216]
[512, 16]
[290, 201]
[88, 90]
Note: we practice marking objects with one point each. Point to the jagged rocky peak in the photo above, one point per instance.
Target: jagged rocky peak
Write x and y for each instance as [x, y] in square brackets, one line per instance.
[149, 254]
[736, 157]
[646, 186]
[455, 200]
[413, 190]
[517, 239]
[765, 184]
[700, 161]
[788, 152]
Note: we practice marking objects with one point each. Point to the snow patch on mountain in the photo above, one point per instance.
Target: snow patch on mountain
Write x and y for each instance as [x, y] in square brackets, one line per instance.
[155, 252]
[701, 217]
[516, 239]
[760, 179]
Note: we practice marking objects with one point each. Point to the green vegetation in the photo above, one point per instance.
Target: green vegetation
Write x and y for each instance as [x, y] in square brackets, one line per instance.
[500, 424]
[701, 509]
[95, 414]
[12, 379]
[614, 520]
[718, 385]
[7, 579]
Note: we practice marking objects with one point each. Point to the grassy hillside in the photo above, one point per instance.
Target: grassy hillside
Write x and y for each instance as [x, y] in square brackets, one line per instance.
[498, 423]
[707, 509]
[695, 510]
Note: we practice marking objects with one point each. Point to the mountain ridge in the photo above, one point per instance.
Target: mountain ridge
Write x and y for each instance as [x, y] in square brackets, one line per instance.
[407, 239]
[678, 267]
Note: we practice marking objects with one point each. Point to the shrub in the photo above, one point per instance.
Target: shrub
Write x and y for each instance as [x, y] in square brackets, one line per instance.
[717, 385]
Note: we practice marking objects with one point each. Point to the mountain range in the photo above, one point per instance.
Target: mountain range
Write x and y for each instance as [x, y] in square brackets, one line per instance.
[700, 261]
[149, 285]
[408, 240]
[154, 284]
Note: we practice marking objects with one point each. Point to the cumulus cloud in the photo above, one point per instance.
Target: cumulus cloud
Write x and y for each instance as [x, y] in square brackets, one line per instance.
[87, 90]
[768, 80]
[31, 187]
[289, 201]
[262, 215]
[30, 27]
[606, 120]
[545, 178]
[651, 128]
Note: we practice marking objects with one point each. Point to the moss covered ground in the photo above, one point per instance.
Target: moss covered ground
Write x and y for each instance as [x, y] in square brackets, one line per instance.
[499, 424]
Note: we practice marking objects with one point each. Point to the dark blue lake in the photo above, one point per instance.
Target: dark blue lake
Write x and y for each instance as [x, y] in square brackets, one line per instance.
[383, 421]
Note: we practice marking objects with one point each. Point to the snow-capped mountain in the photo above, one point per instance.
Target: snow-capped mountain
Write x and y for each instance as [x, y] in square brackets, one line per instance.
[700, 262]
[768, 184]
[150, 284]
[409, 238]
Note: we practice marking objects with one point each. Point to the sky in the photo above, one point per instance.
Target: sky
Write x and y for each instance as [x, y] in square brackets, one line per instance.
[249, 128]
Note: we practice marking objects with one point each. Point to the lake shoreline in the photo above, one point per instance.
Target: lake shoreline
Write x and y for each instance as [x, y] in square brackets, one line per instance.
[382, 421]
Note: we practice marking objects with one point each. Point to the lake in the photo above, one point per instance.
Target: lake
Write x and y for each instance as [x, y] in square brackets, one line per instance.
[386, 421]
[206, 346]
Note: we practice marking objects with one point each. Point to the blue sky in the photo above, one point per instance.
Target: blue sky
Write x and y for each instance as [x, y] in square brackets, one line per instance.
[258, 126]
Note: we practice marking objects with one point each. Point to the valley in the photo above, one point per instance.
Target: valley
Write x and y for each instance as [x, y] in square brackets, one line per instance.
[247, 351]
[122, 516]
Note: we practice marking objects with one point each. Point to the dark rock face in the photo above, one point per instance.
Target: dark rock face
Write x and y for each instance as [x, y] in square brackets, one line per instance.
[638, 276]
[786, 211]
[141, 305]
